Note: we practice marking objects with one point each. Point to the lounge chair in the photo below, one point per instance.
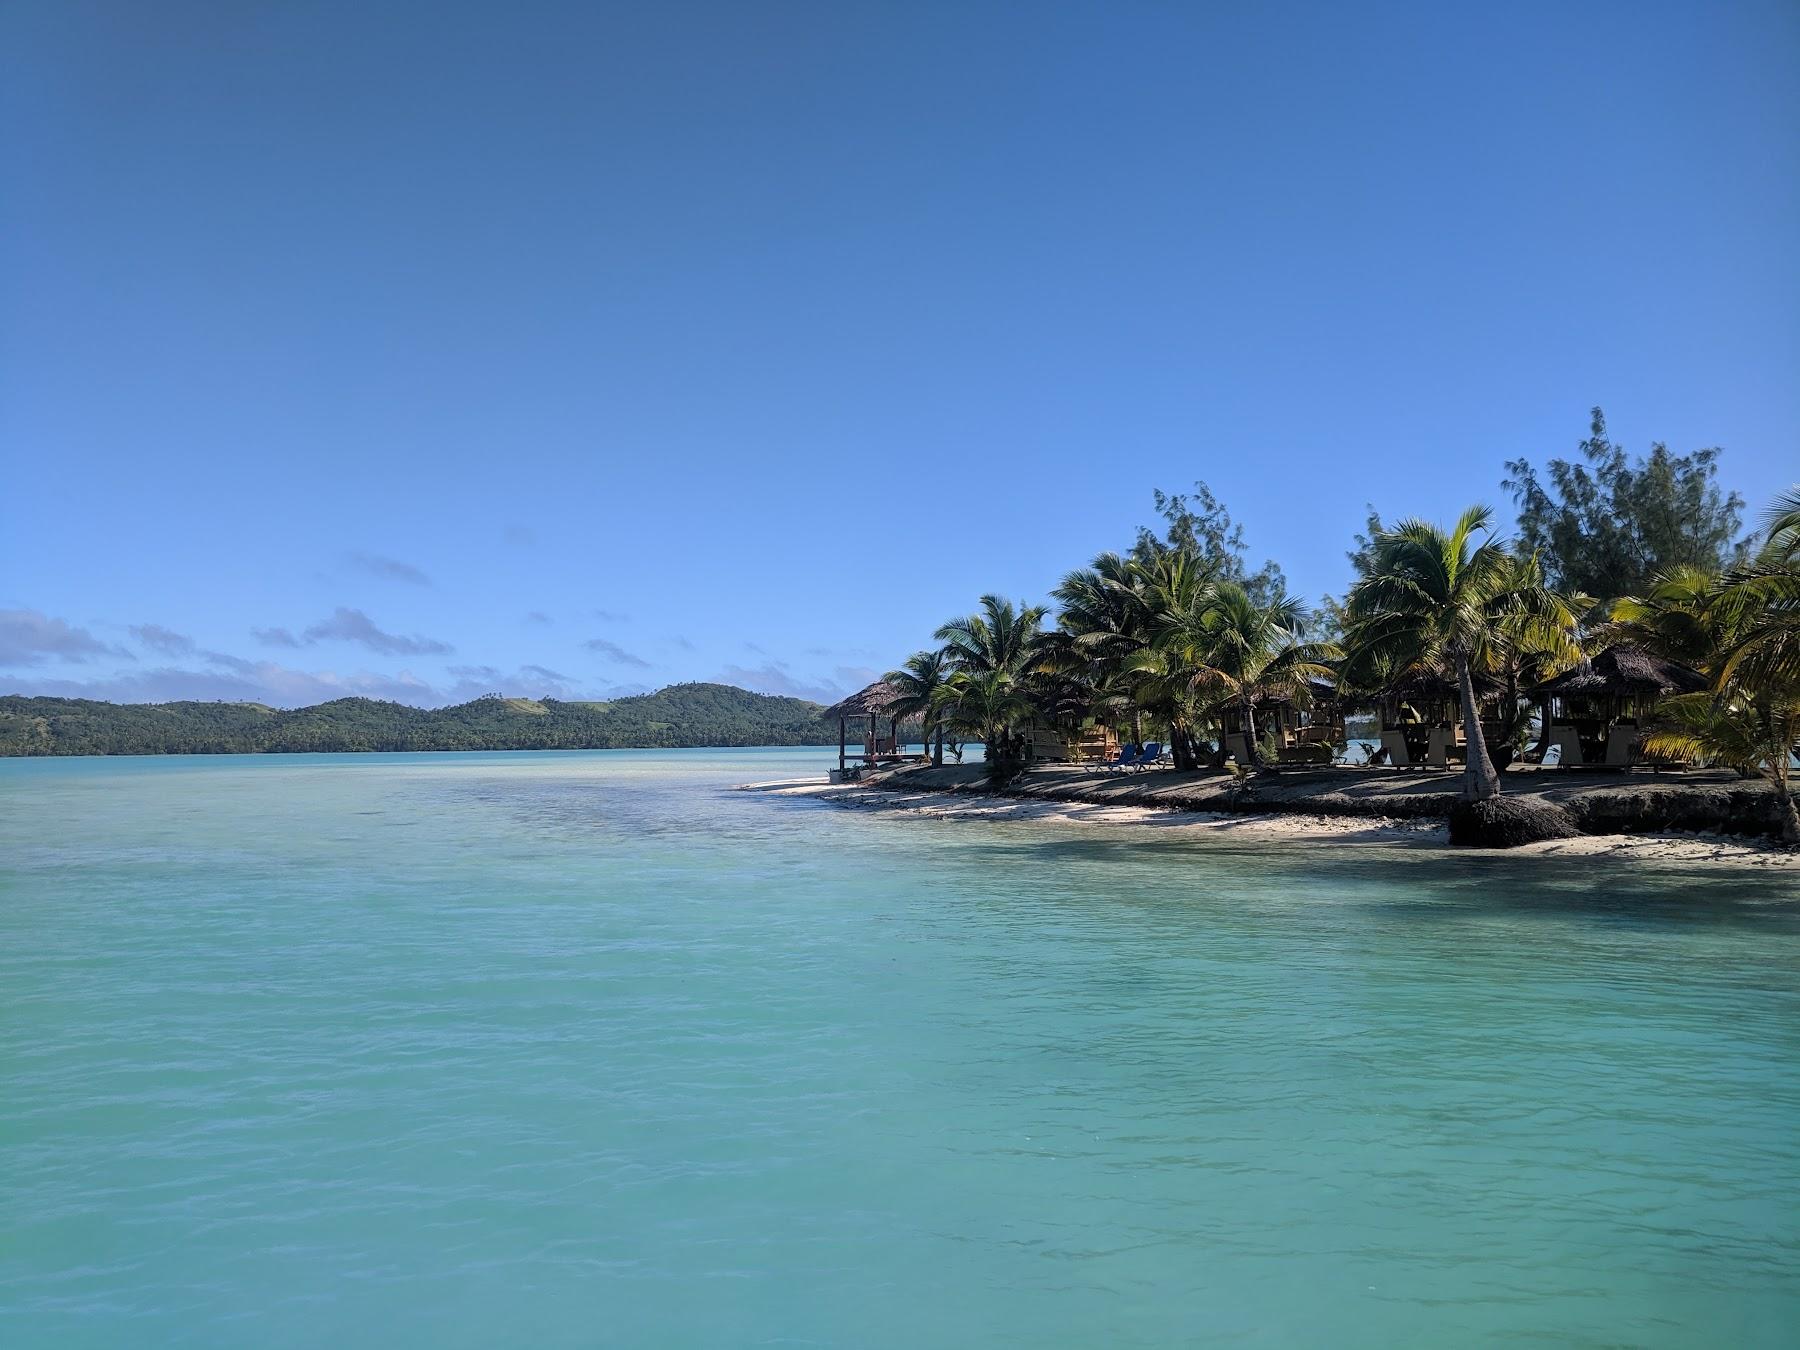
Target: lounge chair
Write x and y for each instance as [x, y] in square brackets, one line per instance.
[1125, 752]
[1568, 747]
[1621, 747]
[1152, 753]
[1127, 757]
[1236, 746]
[1437, 753]
[1394, 742]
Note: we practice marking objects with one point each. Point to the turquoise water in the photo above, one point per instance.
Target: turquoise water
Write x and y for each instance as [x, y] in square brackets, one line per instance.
[587, 1049]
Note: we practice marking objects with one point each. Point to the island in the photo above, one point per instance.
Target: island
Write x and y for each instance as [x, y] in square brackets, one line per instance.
[680, 716]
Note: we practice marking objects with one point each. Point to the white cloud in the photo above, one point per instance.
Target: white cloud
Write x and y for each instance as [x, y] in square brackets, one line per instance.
[613, 652]
[389, 569]
[259, 682]
[30, 638]
[352, 625]
[165, 640]
[776, 678]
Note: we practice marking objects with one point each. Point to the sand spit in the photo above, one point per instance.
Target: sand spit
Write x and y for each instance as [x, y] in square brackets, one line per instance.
[1345, 812]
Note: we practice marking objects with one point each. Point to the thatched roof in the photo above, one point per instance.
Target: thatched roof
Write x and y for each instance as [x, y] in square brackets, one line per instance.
[1428, 686]
[1319, 691]
[1621, 670]
[875, 699]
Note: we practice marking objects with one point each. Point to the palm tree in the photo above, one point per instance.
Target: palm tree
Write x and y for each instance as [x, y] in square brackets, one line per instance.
[1439, 599]
[1108, 615]
[1099, 626]
[1754, 734]
[1756, 686]
[1677, 616]
[1000, 637]
[1781, 527]
[992, 656]
[1231, 651]
[1743, 630]
[1535, 641]
[919, 681]
[986, 704]
[1761, 601]
[1175, 587]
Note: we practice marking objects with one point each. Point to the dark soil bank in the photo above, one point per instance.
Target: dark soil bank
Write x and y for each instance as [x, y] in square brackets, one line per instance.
[1638, 802]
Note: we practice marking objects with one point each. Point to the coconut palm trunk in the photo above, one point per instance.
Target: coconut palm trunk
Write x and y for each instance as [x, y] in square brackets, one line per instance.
[1783, 779]
[1480, 780]
[1181, 745]
[1249, 710]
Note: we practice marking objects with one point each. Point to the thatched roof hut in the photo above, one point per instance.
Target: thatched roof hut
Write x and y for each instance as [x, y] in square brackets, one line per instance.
[1623, 671]
[877, 698]
[875, 702]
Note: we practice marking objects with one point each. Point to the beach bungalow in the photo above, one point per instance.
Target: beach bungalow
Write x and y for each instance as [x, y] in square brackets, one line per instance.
[1308, 727]
[1048, 744]
[1421, 719]
[1066, 726]
[1595, 711]
[867, 707]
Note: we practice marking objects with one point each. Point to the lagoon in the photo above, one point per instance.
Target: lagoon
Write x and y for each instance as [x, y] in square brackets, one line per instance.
[589, 1048]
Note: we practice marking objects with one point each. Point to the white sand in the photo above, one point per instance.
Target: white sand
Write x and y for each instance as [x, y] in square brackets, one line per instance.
[1673, 848]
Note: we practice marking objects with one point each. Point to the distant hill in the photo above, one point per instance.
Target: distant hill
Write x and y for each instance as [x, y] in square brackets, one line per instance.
[681, 715]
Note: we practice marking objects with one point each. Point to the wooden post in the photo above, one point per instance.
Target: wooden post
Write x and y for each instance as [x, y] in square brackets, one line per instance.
[843, 740]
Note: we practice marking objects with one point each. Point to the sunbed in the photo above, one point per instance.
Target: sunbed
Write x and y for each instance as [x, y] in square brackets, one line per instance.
[1127, 757]
[1152, 753]
[1568, 747]
[1621, 747]
[1394, 742]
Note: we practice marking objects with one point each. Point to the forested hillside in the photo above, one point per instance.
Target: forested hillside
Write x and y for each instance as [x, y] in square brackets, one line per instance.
[681, 715]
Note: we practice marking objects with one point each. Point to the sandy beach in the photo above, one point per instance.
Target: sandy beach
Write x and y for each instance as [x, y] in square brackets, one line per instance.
[1390, 831]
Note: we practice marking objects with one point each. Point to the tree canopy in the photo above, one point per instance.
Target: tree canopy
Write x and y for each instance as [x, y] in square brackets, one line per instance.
[1198, 524]
[1607, 524]
[681, 715]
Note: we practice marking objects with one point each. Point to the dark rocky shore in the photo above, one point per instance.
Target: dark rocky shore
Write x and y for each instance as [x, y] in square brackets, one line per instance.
[1636, 802]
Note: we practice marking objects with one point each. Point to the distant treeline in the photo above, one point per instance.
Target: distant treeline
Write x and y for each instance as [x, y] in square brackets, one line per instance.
[681, 715]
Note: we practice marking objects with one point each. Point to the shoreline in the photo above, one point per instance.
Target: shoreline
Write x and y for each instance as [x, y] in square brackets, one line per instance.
[913, 793]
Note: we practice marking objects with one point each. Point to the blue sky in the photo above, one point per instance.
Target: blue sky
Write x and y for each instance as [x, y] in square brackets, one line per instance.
[426, 349]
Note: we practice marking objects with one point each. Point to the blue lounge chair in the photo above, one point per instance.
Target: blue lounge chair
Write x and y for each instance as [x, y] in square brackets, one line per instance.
[1152, 753]
[1125, 752]
[1127, 757]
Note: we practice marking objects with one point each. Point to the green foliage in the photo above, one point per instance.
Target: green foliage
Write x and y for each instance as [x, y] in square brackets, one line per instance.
[1743, 629]
[1198, 524]
[681, 715]
[1436, 601]
[1001, 637]
[993, 658]
[920, 682]
[1362, 557]
[1607, 526]
[1216, 647]
[1742, 733]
